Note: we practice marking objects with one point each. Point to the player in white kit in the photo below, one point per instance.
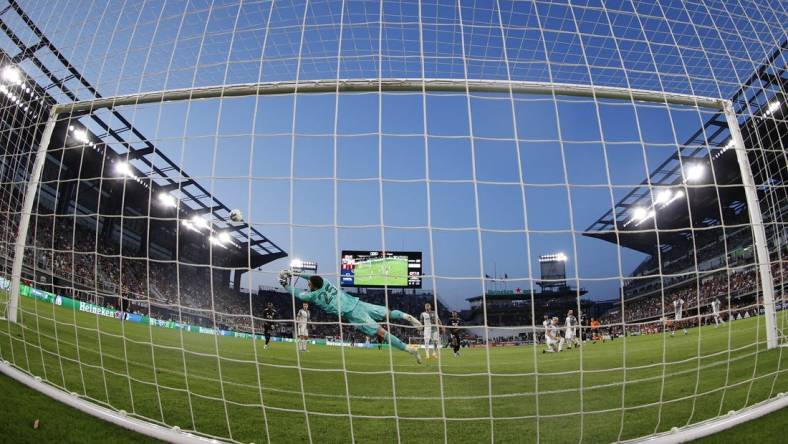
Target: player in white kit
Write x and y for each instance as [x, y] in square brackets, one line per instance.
[555, 343]
[431, 323]
[302, 331]
[678, 307]
[715, 310]
[570, 332]
[545, 327]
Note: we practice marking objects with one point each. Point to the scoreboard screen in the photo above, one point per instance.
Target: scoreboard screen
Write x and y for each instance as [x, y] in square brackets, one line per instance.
[553, 270]
[376, 269]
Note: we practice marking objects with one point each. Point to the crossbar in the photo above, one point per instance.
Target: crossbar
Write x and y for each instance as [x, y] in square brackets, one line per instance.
[391, 85]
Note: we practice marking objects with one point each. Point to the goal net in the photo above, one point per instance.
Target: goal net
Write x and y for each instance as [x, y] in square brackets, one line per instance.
[581, 206]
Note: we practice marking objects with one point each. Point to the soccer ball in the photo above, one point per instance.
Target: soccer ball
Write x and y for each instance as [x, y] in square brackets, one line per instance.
[284, 278]
[236, 216]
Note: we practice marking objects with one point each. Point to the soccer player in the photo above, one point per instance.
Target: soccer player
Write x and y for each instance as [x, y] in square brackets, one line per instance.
[555, 343]
[678, 307]
[595, 336]
[362, 315]
[715, 309]
[269, 314]
[545, 327]
[454, 333]
[571, 330]
[431, 323]
[302, 329]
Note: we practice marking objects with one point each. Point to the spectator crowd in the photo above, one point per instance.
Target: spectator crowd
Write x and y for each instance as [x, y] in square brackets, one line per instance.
[82, 266]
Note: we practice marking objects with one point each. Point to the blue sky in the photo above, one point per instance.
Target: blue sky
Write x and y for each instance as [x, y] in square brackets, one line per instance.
[389, 165]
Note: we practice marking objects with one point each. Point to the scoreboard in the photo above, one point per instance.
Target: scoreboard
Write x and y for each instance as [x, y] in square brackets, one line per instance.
[378, 269]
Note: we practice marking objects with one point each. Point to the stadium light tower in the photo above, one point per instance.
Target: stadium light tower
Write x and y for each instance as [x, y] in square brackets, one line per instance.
[553, 270]
[557, 257]
[301, 265]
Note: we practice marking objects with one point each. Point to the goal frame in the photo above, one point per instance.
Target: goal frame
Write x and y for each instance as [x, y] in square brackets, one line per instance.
[414, 86]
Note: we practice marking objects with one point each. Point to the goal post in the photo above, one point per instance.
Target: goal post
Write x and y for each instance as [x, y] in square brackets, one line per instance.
[422, 86]
[24, 217]
[756, 222]
[118, 418]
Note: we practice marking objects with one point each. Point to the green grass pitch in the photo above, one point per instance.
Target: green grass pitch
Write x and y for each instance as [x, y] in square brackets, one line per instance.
[181, 379]
[384, 271]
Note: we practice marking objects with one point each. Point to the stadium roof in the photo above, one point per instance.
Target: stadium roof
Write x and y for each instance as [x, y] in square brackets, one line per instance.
[123, 146]
[631, 222]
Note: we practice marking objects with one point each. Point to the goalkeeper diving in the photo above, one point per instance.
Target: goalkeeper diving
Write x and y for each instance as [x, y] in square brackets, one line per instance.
[362, 315]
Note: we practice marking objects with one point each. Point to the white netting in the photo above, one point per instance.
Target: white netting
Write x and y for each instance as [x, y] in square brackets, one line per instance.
[509, 161]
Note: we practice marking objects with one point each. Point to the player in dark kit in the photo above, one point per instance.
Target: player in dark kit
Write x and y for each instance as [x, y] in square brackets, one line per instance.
[454, 333]
[269, 314]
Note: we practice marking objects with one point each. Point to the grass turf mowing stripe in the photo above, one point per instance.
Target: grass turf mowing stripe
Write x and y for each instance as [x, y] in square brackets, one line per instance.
[606, 388]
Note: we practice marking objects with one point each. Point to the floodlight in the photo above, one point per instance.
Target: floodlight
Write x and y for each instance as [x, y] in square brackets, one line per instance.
[167, 200]
[189, 225]
[663, 196]
[123, 169]
[300, 265]
[639, 213]
[199, 222]
[81, 135]
[12, 75]
[224, 237]
[694, 172]
[557, 257]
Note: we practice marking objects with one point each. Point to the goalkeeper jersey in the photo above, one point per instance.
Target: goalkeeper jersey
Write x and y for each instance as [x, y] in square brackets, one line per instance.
[329, 298]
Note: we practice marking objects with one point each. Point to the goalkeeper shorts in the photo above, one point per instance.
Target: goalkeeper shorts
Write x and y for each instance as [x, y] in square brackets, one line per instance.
[364, 317]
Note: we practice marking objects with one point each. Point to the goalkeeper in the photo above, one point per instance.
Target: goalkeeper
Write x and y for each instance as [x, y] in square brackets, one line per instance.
[364, 316]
